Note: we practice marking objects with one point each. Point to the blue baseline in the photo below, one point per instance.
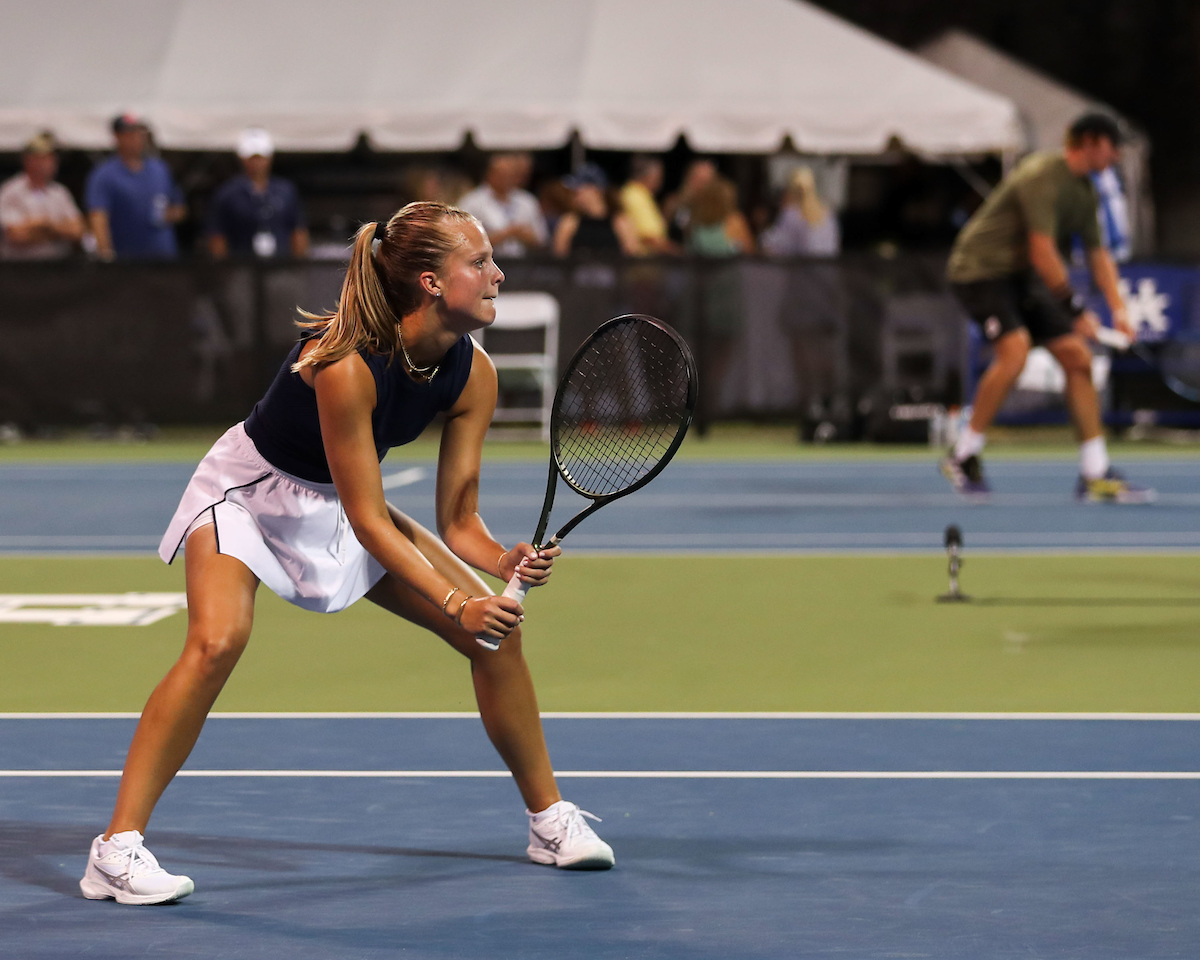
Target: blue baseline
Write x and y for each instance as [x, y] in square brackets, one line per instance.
[695, 507]
[712, 870]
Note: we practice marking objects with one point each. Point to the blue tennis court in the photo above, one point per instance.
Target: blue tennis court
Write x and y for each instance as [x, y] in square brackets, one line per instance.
[816, 506]
[748, 836]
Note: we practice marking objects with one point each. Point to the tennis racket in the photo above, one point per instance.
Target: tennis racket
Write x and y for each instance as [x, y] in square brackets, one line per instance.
[1176, 362]
[621, 411]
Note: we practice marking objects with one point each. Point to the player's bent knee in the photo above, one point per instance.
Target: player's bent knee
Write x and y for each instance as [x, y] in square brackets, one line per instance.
[510, 649]
[1076, 359]
[216, 650]
[1011, 352]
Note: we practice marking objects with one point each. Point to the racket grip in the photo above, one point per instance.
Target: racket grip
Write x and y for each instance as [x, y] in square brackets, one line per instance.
[1108, 337]
[515, 590]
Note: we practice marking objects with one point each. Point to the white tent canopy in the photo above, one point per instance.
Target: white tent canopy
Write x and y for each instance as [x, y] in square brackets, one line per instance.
[1046, 108]
[731, 75]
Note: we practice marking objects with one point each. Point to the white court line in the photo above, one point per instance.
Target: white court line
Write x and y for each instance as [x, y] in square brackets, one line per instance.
[623, 715]
[404, 478]
[658, 774]
[823, 500]
[833, 539]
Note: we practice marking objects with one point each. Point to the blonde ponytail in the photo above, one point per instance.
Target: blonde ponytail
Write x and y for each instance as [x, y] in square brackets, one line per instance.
[381, 284]
[363, 317]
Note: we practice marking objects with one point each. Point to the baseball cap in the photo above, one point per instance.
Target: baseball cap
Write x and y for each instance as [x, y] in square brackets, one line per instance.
[1096, 124]
[254, 142]
[589, 174]
[43, 143]
[127, 121]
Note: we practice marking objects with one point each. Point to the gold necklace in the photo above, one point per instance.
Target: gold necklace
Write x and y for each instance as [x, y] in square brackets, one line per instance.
[427, 373]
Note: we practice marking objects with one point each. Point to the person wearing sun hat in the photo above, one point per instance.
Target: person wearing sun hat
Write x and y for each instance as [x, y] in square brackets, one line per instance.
[38, 216]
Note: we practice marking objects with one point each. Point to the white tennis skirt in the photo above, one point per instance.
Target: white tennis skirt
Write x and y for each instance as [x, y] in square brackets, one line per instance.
[293, 534]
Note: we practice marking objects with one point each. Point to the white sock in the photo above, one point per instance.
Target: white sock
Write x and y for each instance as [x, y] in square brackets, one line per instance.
[120, 841]
[550, 811]
[970, 444]
[1093, 458]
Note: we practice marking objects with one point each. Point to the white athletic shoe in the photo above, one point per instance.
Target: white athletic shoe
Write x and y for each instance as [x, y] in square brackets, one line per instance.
[559, 836]
[122, 869]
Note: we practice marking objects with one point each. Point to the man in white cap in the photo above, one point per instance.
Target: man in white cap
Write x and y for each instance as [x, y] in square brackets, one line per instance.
[255, 214]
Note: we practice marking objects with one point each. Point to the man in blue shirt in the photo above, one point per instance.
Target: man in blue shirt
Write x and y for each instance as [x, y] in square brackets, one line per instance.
[132, 200]
[256, 214]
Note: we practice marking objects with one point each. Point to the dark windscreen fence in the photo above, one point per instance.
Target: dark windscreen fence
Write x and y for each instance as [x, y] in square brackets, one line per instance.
[190, 342]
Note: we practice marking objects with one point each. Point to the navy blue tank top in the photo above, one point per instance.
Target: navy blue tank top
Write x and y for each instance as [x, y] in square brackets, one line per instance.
[287, 432]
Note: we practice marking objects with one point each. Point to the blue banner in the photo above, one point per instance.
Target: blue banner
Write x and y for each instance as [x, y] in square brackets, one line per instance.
[1162, 300]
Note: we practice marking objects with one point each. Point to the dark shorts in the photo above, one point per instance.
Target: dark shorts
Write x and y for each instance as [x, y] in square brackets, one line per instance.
[1009, 303]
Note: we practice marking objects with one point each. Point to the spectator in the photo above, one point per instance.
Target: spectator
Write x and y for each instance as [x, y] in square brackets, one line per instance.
[556, 200]
[805, 227]
[590, 225]
[814, 303]
[132, 200]
[677, 208]
[638, 203]
[510, 215]
[438, 184]
[716, 228]
[254, 213]
[38, 215]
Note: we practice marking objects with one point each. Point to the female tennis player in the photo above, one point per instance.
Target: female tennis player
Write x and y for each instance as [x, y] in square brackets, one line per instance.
[293, 498]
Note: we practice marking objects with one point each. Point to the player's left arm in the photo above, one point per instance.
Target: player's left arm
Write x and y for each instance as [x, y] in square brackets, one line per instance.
[1104, 273]
[459, 458]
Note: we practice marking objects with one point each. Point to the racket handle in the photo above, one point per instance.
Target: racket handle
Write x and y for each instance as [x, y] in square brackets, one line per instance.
[515, 590]
[1108, 337]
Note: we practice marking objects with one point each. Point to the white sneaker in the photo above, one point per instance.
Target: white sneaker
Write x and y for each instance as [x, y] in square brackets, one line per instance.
[122, 869]
[560, 837]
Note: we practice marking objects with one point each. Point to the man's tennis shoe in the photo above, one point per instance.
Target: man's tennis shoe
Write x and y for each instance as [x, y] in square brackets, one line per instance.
[965, 476]
[559, 836]
[122, 869]
[1112, 488]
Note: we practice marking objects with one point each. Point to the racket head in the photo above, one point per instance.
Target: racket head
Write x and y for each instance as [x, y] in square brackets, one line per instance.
[623, 406]
[1177, 363]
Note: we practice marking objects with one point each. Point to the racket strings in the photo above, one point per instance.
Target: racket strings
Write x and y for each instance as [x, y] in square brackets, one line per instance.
[622, 407]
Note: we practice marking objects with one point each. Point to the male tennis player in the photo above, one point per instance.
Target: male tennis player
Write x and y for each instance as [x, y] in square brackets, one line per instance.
[1008, 271]
[294, 498]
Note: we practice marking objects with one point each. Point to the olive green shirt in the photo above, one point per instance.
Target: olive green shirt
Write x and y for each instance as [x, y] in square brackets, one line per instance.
[1041, 195]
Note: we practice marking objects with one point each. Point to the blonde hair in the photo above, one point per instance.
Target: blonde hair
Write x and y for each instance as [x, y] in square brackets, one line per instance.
[382, 284]
[802, 189]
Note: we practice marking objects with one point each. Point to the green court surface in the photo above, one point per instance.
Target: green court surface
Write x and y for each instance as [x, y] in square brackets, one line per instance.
[724, 441]
[1047, 633]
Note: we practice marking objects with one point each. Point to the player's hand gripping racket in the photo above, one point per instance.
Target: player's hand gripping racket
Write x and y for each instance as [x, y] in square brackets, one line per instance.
[621, 411]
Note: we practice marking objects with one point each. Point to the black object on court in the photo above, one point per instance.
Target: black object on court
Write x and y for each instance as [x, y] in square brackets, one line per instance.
[622, 409]
[954, 544]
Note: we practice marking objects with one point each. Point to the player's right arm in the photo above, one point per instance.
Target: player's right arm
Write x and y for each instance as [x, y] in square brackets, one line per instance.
[1048, 263]
[345, 400]
[459, 459]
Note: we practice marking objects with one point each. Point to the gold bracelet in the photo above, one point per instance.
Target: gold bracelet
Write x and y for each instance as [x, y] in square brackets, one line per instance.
[447, 600]
[503, 554]
[458, 616]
